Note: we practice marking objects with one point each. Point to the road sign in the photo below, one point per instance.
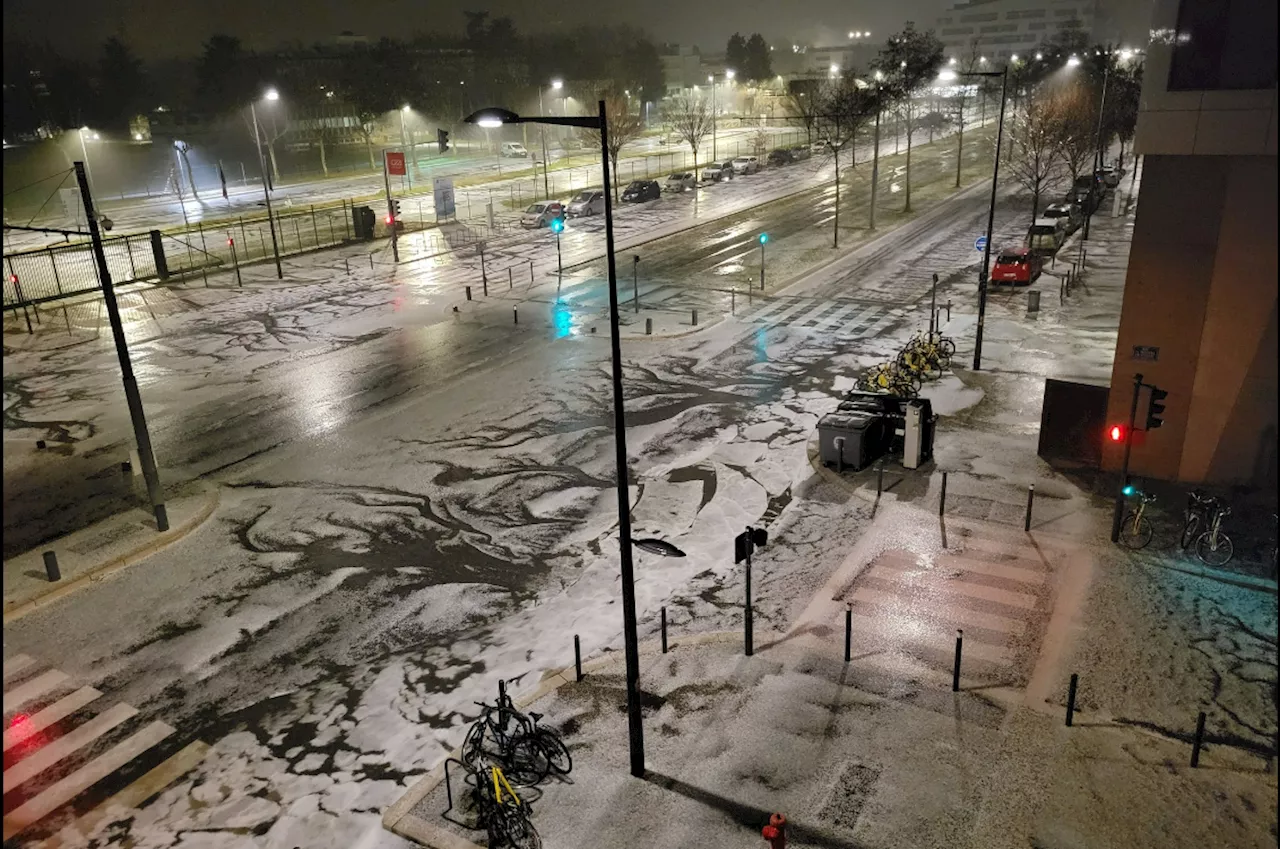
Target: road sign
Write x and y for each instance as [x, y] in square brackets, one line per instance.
[395, 163]
[979, 244]
[442, 189]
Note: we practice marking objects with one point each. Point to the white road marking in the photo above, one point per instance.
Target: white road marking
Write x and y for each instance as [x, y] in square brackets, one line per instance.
[14, 665]
[33, 689]
[958, 615]
[62, 708]
[39, 761]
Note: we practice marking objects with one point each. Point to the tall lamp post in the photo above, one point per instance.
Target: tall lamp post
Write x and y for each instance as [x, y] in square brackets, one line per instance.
[85, 152]
[728, 75]
[271, 95]
[493, 117]
[556, 85]
[991, 208]
[1097, 156]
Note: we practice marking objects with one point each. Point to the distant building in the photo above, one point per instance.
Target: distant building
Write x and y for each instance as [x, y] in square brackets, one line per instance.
[1201, 282]
[1005, 27]
[681, 68]
[819, 61]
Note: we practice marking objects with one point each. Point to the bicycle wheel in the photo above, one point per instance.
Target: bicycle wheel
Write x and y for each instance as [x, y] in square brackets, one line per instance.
[1135, 532]
[473, 746]
[514, 829]
[555, 750]
[527, 763]
[1214, 553]
[948, 346]
[1190, 530]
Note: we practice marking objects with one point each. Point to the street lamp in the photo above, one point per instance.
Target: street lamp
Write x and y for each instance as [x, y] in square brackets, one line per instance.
[270, 95]
[546, 181]
[85, 152]
[991, 213]
[404, 110]
[496, 118]
[711, 78]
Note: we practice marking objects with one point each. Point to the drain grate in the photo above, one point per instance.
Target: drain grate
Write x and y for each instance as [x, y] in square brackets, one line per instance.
[851, 791]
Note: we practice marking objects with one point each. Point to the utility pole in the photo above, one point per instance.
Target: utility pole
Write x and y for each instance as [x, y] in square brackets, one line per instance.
[266, 192]
[991, 217]
[835, 230]
[1097, 157]
[1117, 513]
[132, 397]
[391, 210]
[875, 161]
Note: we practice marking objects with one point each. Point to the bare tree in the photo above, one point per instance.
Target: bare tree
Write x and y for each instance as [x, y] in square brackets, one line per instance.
[273, 125]
[847, 105]
[908, 60]
[1076, 130]
[803, 103]
[1034, 137]
[690, 118]
[624, 127]
[963, 84]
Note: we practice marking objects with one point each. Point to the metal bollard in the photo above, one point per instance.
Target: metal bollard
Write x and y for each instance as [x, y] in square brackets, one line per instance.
[515, 315]
[371, 262]
[510, 285]
[879, 479]
[664, 630]
[577, 656]
[468, 293]
[848, 631]
[346, 261]
[648, 327]
[1198, 742]
[530, 271]
[955, 672]
[948, 310]
[1071, 697]
[733, 301]
[942, 499]
[40, 444]
[1033, 302]
[695, 318]
[51, 566]
[1031, 499]
[840, 454]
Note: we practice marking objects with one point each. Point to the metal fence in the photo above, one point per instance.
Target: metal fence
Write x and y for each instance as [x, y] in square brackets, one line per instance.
[59, 271]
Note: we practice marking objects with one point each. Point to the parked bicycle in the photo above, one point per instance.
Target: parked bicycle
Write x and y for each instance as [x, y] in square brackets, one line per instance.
[504, 816]
[1196, 517]
[1135, 529]
[1214, 547]
[892, 378]
[924, 354]
[504, 734]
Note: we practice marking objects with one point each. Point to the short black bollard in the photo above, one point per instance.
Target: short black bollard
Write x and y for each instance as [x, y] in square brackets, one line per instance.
[371, 262]
[51, 566]
[948, 311]
[695, 318]
[955, 672]
[879, 479]
[848, 631]
[530, 271]
[648, 327]
[942, 499]
[510, 284]
[577, 656]
[1031, 499]
[1198, 742]
[733, 301]
[664, 630]
[515, 315]
[468, 293]
[1071, 697]
[485, 283]
[126, 467]
[346, 261]
[40, 443]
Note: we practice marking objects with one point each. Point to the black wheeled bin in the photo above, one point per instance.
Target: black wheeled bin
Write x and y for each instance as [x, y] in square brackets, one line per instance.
[863, 436]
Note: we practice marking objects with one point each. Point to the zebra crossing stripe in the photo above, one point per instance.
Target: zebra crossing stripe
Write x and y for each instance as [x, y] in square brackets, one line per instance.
[40, 760]
[883, 630]
[956, 614]
[67, 788]
[863, 317]
[64, 707]
[33, 689]
[132, 796]
[773, 307]
[786, 315]
[15, 665]
[815, 315]
[935, 584]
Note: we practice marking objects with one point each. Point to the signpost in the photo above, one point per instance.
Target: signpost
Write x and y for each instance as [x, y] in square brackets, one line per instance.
[390, 162]
[744, 545]
[980, 244]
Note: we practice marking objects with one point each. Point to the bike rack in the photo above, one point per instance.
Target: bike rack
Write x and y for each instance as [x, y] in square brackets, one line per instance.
[448, 789]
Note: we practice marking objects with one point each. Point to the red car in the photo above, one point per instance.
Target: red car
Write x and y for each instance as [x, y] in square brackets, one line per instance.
[1016, 265]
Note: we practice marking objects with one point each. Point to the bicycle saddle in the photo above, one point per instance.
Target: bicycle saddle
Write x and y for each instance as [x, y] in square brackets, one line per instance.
[535, 716]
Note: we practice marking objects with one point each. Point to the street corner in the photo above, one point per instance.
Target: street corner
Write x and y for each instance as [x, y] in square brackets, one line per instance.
[662, 324]
[71, 563]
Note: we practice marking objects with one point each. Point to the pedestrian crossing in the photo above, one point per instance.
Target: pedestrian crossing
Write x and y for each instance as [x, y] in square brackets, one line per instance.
[908, 608]
[71, 755]
[838, 318]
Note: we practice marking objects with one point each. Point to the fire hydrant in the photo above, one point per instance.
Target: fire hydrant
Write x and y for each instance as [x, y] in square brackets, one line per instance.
[776, 832]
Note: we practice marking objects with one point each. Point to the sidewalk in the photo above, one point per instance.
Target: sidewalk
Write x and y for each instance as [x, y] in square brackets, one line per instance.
[94, 553]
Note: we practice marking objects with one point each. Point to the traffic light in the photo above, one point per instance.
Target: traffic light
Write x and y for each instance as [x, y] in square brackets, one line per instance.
[442, 140]
[1116, 433]
[557, 226]
[1155, 408]
[764, 238]
[394, 215]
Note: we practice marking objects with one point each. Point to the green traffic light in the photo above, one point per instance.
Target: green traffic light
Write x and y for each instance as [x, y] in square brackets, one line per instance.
[764, 237]
[557, 225]
[1128, 490]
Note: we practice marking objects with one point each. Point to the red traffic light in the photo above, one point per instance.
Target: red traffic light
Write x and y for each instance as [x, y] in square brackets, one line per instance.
[231, 242]
[390, 219]
[1116, 432]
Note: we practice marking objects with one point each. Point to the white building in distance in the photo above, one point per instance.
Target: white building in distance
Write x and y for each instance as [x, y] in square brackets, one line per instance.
[1006, 27]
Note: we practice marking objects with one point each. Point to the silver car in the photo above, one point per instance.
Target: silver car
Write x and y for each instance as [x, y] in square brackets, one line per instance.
[746, 164]
[680, 181]
[587, 203]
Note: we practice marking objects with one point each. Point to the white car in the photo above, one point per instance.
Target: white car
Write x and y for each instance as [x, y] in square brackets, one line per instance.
[586, 203]
[514, 150]
[680, 181]
[541, 214]
[746, 165]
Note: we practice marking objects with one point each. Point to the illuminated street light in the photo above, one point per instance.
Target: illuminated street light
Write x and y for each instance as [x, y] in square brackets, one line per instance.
[1073, 61]
[835, 69]
[1013, 58]
[879, 75]
[946, 75]
[729, 74]
[404, 108]
[1039, 56]
[556, 85]
[951, 61]
[272, 94]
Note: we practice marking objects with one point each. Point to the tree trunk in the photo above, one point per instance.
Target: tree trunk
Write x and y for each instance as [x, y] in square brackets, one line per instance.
[324, 160]
[1035, 202]
[907, 206]
[368, 146]
[960, 144]
[275, 169]
[613, 157]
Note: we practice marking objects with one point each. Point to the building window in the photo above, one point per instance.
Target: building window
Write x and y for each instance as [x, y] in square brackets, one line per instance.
[958, 31]
[1036, 26]
[1224, 44]
[967, 19]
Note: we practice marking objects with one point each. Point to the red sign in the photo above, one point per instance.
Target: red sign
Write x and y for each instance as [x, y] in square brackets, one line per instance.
[395, 163]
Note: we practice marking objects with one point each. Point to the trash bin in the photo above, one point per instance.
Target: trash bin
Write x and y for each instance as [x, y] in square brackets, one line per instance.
[1033, 301]
[862, 436]
[362, 219]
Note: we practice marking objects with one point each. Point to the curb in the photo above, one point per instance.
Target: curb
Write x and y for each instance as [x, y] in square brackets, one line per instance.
[397, 818]
[104, 570]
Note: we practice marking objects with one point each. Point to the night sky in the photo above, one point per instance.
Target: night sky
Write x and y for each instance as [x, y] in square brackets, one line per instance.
[166, 28]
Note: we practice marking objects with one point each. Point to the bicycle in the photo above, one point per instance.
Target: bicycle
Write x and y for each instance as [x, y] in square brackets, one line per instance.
[1199, 508]
[505, 819]
[888, 376]
[1214, 547]
[1135, 530]
[514, 747]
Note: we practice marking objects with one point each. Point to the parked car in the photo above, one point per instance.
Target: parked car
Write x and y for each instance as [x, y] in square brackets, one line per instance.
[727, 169]
[571, 143]
[1020, 266]
[514, 150]
[714, 173]
[746, 165]
[1071, 213]
[1110, 175]
[781, 156]
[542, 213]
[820, 146]
[641, 190]
[586, 203]
[1046, 236]
[680, 181]
[1088, 199]
[799, 152]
